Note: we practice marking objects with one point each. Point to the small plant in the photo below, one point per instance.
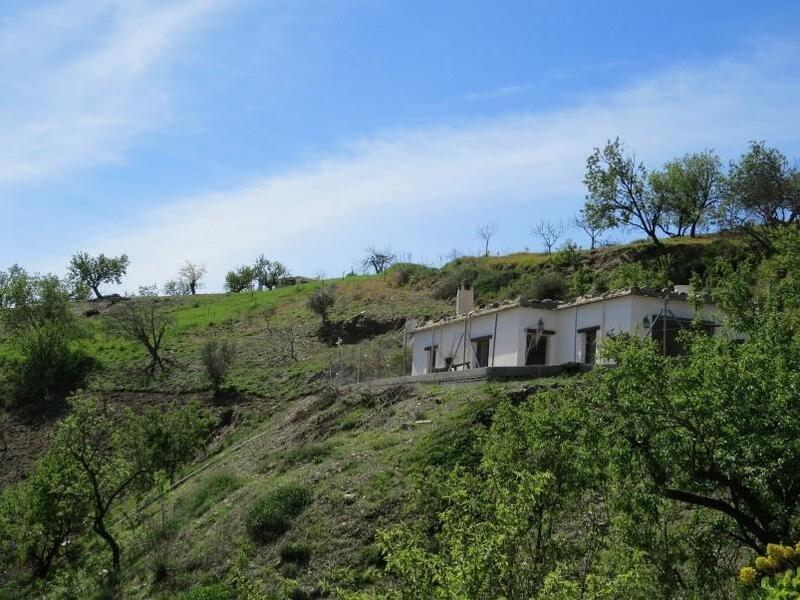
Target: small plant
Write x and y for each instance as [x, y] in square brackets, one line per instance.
[321, 302]
[295, 552]
[217, 360]
[217, 591]
[271, 514]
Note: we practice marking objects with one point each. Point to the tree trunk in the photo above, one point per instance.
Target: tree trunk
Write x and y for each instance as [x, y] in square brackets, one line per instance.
[101, 530]
[96, 291]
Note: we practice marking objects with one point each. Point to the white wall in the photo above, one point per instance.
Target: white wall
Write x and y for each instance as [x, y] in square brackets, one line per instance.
[508, 346]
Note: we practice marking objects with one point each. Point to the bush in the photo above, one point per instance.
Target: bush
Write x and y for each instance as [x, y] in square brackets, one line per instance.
[402, 274]
[296, 552]
[217, 360]
[567, 256]
[51, 368]
[321, 302]
[549, 285]
[270, 516]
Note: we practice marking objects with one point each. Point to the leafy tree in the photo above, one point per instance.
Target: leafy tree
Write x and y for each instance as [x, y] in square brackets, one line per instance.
[174, 437]
[689, 189]
[321, 302]
[716, 431]
[94, 271]
[268, 273]
[377, 259]
[217, 360]
[115, 456]
[619, 191]
[142, 320]
[39, 516]
[35, 313]
[240, 280]
[763, 192]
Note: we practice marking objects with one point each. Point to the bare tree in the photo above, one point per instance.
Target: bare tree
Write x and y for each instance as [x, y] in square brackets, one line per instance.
[321, 302]
[377, 259]
[591, 227]
[142, 321]
[549, 232]
[485, 234]
[190, 275]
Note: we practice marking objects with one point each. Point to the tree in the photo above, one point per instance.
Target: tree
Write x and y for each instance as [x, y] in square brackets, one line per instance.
[716, 431]
[268, 273]
[190, 276]
[549, 232]
[40, 515]
[174, 437]
[35, 312]
[593, 228]
[689, 189]
[320, 303]
[141, 320]
[377, 259]
[763, 193]
[485, 234]
[240, 280]
[619, 191]
[94, 271]
[116, 457]
[217, 360]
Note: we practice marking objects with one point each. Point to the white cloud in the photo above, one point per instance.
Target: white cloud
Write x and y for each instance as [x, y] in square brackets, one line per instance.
[425, 190]
[82, 79]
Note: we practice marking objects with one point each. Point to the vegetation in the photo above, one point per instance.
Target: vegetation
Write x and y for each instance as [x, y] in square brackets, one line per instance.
[271, 514]
[94, 271]
[218, 358]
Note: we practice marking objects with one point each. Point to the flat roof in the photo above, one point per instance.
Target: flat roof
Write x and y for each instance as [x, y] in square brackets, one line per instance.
[496, 307]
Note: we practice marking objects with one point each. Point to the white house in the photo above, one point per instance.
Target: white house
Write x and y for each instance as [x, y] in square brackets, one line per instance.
[548, 332]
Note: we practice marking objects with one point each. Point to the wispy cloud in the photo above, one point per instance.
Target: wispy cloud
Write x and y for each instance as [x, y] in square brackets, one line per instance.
[81, 80]
[422, 189]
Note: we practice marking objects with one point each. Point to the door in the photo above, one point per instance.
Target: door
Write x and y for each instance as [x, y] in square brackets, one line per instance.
[481, 352]
[536, 349]
[589, 346]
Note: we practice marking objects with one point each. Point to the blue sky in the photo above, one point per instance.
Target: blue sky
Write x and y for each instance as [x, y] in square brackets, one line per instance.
[215, 130]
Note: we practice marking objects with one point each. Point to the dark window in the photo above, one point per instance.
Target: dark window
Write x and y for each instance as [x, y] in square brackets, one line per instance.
[667, 335]
[537, 349]
[590, 346]
[481, 352]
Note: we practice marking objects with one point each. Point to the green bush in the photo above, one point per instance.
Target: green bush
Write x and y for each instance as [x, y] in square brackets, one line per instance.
[271, 514]
[402, 274]
[295, 552]
[51, 367]
[550, 285]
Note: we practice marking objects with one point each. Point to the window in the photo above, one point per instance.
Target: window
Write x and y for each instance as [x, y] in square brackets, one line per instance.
[481, 348]
[536, 353]
[667, 334]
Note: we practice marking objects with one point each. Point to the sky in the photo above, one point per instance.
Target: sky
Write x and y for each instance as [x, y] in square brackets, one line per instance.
[308, 130]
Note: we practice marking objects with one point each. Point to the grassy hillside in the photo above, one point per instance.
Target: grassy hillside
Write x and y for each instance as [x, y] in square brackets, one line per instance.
[355, 451]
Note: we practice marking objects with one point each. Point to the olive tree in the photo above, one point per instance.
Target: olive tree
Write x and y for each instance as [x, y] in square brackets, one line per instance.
[240, 280]
[94, 271]
[377, 259]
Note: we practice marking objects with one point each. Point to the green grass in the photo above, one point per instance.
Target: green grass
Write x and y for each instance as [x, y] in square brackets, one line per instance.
[271, 514]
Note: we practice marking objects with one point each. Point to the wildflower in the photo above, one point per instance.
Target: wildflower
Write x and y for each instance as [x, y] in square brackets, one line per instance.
[775, 551]
[789, 553]
[748, 575]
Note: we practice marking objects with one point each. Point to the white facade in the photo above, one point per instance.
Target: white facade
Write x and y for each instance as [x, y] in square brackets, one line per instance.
[549, 333]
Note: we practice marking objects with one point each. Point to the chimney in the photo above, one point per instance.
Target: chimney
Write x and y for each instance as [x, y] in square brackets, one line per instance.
[465, 300]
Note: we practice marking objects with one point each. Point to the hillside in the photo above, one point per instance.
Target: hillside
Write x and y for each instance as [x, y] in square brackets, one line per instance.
[358, 450]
